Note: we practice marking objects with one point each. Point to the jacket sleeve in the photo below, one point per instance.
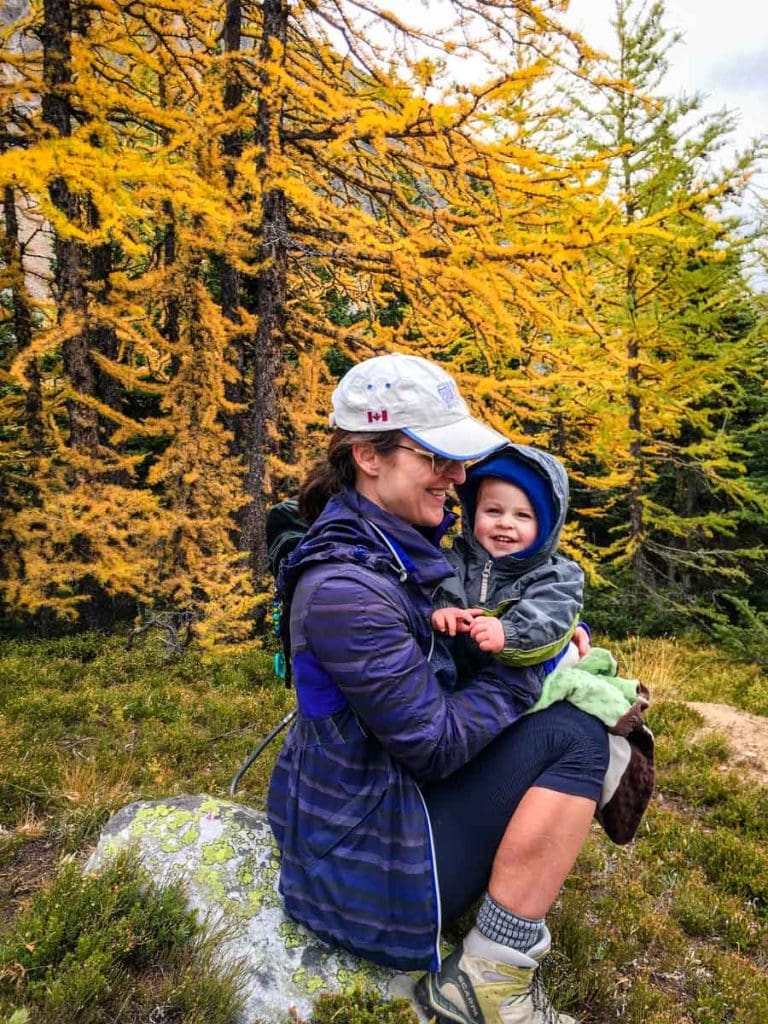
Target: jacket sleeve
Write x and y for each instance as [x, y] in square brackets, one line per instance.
[361, 635]
[539, 623]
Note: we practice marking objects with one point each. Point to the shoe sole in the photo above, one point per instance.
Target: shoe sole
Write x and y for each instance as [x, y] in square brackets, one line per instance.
[423, 996]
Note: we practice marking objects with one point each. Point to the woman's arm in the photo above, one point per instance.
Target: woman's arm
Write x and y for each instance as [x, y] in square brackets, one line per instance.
[358, 630]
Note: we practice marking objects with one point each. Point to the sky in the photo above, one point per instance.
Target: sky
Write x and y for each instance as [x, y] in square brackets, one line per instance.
[723, 55]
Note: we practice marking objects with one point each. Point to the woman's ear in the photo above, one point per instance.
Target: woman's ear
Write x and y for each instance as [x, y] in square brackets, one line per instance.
[367, 459]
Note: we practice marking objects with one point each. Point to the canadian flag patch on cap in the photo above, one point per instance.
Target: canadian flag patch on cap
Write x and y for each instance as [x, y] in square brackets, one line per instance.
[379, 416]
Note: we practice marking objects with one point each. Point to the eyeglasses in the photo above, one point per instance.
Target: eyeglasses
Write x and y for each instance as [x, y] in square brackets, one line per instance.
[440, 464]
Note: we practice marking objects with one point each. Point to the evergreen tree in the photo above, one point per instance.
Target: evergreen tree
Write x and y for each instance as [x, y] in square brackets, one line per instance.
[674, 332]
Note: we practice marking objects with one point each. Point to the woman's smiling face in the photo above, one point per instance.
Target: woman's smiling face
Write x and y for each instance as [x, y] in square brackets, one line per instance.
[405, 483]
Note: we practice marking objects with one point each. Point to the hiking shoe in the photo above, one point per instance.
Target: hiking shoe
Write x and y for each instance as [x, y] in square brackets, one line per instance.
[474, 987]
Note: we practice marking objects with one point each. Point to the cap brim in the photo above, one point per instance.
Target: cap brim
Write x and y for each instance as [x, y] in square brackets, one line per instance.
[466, 439]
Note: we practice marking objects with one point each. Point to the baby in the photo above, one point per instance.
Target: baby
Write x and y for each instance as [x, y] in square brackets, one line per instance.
[512, 593]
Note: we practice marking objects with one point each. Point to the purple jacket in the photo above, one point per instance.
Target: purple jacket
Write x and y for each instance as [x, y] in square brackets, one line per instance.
[344, 799]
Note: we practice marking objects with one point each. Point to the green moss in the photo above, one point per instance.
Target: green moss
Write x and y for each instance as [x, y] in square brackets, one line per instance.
[210, 879]
[362, 1006]
[290, 934]
[310, 983]
[217, 853]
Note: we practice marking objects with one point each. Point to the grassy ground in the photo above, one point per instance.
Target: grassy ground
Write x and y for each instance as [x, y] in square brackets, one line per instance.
[86, 727]
[671, 930]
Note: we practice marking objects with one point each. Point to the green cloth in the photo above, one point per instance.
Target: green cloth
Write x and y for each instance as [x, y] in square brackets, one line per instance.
[592, 685]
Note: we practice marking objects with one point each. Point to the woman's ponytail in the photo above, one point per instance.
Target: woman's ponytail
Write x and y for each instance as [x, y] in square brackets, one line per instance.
[337, 468]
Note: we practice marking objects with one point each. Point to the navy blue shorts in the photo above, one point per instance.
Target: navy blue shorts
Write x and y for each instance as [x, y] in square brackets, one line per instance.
[561, 748]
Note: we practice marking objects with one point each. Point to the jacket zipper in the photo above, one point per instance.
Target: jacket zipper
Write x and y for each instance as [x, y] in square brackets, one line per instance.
[484, 580]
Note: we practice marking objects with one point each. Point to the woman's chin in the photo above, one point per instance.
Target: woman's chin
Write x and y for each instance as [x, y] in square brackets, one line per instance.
[431, 517]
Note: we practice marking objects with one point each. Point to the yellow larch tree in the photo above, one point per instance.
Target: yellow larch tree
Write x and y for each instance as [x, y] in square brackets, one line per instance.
[398, 210]
[113, 157]
[243, 198]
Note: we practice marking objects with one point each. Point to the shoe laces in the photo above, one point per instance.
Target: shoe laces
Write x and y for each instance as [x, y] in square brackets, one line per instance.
[541, 1002]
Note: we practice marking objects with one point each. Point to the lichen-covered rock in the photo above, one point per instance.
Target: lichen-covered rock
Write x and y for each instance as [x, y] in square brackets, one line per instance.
[226, 856]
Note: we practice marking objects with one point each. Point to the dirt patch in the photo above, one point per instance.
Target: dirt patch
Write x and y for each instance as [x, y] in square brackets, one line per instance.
[28, 869]
[747, 734]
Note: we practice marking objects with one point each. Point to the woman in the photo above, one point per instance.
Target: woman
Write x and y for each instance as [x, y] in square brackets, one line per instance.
[396, 803]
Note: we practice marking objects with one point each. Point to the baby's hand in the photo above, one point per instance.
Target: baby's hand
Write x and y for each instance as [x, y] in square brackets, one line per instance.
[451, 620]
[581, 641]
[488, 634]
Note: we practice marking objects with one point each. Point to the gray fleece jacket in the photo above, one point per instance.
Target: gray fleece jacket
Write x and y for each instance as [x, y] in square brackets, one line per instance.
[538, 596]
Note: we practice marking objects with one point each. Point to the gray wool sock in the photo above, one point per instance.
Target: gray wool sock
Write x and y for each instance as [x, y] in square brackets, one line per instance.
[501, 925]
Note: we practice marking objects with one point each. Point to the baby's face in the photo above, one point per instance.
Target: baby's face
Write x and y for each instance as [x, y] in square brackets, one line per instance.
[504, 518]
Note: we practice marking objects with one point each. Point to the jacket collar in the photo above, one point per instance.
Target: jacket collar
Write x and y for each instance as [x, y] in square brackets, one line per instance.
[354, 530]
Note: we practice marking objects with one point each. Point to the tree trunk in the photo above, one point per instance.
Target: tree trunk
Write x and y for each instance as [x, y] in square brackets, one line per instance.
[21, 318]
[232, 143]
[232, 147]
[634, 422]
[236, 391]
[634, 419]
[69, 284]
[103, 338]
[271, 292]
[172, 317]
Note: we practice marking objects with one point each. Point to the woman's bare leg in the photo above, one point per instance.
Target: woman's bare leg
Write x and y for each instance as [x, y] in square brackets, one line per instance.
[538, 850]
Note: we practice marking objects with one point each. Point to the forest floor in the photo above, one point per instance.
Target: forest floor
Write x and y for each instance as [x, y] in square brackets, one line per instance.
[671, 929]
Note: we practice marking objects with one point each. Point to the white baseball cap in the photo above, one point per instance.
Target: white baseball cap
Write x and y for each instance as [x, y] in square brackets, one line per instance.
[408, 393]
